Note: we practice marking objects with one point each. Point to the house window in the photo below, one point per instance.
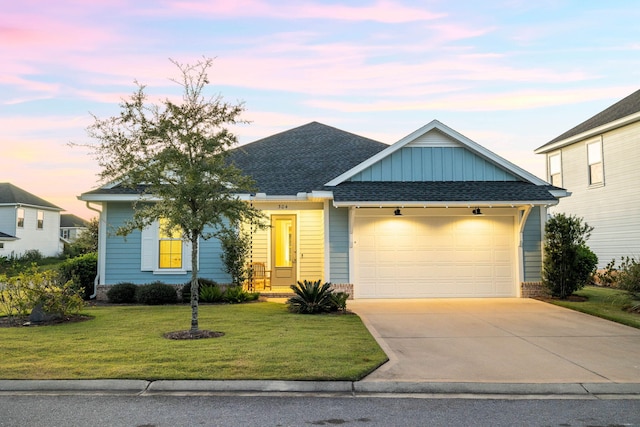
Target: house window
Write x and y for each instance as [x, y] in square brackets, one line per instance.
[170, 246]
[20, 215]
[594, 157]
[1, 245]
[555, 170]
[64, 233]
[40, 221]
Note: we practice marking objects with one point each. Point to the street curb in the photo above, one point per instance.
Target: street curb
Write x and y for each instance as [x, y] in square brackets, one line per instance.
[251, 386]
[132, 386]
[342, 387]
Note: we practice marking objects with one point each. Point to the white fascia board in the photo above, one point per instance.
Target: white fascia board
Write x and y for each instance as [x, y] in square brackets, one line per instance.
[453, 204]
[27, 205]
[560, 193]
[588, 134]
[116, 198]
[435, 124]
[321, 194]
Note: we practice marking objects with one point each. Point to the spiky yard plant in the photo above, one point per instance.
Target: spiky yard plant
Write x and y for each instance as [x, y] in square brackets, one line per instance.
[311, 297]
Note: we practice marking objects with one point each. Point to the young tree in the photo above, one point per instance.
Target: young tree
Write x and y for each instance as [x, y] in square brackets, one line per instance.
[568, 262]
[174, 155]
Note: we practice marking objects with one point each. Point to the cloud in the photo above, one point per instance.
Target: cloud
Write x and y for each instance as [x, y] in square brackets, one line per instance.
[384, 11]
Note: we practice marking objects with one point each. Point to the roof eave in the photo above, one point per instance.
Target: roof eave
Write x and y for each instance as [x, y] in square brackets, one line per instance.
[632, 118]
[444, 204]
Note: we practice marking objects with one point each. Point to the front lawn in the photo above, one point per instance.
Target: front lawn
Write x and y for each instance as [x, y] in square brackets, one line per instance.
[261, 341]
[608, 303]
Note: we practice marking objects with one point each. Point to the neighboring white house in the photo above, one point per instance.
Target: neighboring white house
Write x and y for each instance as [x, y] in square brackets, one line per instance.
[598, 162]
[71, 227]
[27, 222]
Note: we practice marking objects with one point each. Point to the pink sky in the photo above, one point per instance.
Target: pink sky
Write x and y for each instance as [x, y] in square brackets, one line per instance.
[510, 74]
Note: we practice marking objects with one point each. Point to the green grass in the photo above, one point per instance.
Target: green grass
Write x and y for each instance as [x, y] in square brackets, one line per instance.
[608, 303]
[261, 341]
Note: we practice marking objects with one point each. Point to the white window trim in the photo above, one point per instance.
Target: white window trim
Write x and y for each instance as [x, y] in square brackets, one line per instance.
[589, 163]
[550, 174]
[150, 252]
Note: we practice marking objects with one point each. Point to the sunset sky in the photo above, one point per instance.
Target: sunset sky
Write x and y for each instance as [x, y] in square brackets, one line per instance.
[509, 74]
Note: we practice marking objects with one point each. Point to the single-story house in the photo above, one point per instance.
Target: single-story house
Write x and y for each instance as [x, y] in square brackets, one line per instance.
[71, 227]
[597, 161]
[433, 215]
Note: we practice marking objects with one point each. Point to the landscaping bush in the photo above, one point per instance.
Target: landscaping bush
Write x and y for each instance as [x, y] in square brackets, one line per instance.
[628, 277]
[339, 301]
[122, 293]
[237, 295]
[311, 297]
[82, 270]
[211, 293]
[185, 292]
[156, 293]
[20, 294]
[568, 262]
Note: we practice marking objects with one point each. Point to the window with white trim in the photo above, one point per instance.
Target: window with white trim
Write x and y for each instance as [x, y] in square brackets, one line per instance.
[164, 251]
[20, 216]
[40, 221]
[594, 158]
[555, 170]
[169, 246]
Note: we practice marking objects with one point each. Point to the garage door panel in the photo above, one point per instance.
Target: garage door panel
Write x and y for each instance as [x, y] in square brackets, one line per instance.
[409, 257]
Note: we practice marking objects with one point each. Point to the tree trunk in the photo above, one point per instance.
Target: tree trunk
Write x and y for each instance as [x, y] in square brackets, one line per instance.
[194, 281]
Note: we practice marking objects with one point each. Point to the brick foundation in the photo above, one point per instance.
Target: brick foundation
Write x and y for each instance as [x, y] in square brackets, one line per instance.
[534, 290]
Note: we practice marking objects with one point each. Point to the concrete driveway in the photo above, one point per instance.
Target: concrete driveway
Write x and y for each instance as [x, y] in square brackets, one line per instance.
[505, 340]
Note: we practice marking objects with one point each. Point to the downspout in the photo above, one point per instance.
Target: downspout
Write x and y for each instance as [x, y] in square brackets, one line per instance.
[96, 280]
[524, 215]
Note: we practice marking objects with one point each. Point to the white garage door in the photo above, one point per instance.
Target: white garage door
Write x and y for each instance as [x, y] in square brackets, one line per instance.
[420, 257]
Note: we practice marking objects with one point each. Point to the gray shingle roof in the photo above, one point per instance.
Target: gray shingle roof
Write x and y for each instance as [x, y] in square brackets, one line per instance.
[622, 108]
[302, 159]
[70, 220]
[469, 191]
[10, 194]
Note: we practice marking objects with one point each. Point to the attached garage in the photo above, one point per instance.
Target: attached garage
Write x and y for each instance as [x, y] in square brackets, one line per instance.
[425, 253]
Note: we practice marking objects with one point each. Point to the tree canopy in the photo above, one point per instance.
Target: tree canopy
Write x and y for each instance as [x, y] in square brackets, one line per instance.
[174, 154]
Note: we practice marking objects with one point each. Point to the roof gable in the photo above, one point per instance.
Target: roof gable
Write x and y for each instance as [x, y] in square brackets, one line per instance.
[436, 135]
[12, 195]
[302, 159]
[622, 112]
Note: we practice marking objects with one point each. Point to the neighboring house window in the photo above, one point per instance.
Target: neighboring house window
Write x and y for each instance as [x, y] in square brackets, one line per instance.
[555, 170]
[40, 223]
[20, 215]
[1, 245]
[170, 247]
[64, 233]
[594, 156]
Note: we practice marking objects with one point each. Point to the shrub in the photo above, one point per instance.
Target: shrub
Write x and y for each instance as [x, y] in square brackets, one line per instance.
[237, 295]
[236, 245]
[156, 293]
[568, 262]
[607, 277]
[311, 297]
[32, 255]
[185, 292]
[82, 270]
[211, 293]
[339, 301]
[122, 293]
[21, 294]
[629, 276]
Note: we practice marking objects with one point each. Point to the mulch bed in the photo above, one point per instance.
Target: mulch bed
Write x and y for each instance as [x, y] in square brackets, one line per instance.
[23, 321]
[188, 335]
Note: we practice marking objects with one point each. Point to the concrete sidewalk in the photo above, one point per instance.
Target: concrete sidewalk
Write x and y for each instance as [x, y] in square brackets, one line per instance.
[476, 347]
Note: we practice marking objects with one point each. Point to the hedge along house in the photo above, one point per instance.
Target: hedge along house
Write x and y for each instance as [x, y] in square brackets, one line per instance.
[433, 215]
